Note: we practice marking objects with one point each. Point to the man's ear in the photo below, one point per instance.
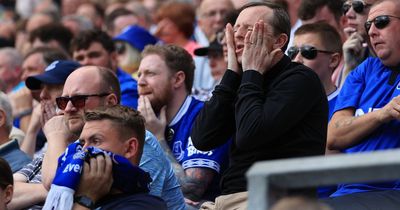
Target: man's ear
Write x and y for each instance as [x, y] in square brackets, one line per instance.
[114, 60]
[111, 100]
[280, 41]
[334, 61]
[8, 193]
[2, 118]
[179, 79]
[132, 149]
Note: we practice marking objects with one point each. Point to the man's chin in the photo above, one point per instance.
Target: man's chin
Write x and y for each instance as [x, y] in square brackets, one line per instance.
[75, 126]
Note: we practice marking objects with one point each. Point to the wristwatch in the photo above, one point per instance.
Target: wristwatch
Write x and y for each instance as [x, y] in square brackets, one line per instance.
[84, 201]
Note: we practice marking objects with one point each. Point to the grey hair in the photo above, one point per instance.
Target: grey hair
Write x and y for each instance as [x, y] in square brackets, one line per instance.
[5, 105]
[14, 57]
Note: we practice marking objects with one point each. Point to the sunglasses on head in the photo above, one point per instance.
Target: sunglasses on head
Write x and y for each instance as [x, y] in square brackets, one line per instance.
[358, 7]
[77, 101]
[380, 22]
[307, 51]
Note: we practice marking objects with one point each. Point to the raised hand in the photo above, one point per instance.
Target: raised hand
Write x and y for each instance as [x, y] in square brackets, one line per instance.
[154, 124]
[257, 45]
[231, 47]
[97, 179]
[353, 50]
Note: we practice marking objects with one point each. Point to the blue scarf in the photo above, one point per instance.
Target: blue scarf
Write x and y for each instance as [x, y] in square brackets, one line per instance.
[128, 178]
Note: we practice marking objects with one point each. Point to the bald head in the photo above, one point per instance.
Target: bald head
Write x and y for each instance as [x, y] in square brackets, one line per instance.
[94, 78]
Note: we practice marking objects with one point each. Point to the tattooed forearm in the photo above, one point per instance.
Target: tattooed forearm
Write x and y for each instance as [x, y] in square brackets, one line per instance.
[193, 181]
[345, 122]
[196, 182]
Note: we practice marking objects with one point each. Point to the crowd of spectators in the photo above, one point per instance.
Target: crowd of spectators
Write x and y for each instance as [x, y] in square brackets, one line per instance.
[151, 104]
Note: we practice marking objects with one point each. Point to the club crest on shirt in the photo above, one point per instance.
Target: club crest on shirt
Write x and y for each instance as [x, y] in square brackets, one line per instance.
[398, 86]
[178, 151]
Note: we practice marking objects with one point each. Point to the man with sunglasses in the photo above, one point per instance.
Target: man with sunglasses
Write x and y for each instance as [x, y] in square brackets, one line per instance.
[367, 110]
[318, 46]
[77, 97]
[356, 48]
[272, 108]
[29, 192]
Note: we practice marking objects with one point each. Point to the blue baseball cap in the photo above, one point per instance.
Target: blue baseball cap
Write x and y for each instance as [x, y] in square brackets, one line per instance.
[136, 36]
[56, 73]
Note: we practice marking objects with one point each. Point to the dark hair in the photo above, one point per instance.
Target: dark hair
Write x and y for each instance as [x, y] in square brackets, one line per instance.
[280, 21]
[86, 38]
[6, 177]
[328, 35]
[308, 8]
[283, 4]
[109, 82]
[52, 31]
[49, 54]
[231, 17]
[109, 20]
[176, 58]
[129, 122]
[181, 14]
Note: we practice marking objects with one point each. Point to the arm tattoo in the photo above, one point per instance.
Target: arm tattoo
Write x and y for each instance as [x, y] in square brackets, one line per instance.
[193, 181]
[345, 122]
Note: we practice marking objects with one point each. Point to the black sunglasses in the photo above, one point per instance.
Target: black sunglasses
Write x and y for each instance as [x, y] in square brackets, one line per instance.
[77, 101]
[307, 51]
[380, 22]
[358, 7]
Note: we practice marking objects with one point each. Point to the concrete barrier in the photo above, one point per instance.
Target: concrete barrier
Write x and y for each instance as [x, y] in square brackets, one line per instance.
[270, 180]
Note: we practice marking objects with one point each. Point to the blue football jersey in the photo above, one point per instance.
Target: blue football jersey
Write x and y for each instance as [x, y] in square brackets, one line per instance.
[367, 89]
[180, 142]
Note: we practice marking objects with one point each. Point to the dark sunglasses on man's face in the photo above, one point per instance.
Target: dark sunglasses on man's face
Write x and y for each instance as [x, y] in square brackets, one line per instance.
[380, 22]
[307, 51]
[77, 101]
[358, 7]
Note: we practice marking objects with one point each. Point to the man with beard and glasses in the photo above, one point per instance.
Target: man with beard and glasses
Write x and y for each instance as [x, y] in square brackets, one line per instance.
[164, 84]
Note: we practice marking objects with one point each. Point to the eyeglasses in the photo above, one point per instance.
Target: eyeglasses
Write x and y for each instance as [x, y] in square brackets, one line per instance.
[380, 22]
[358, 7]
[307, 51]
[77, 101]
